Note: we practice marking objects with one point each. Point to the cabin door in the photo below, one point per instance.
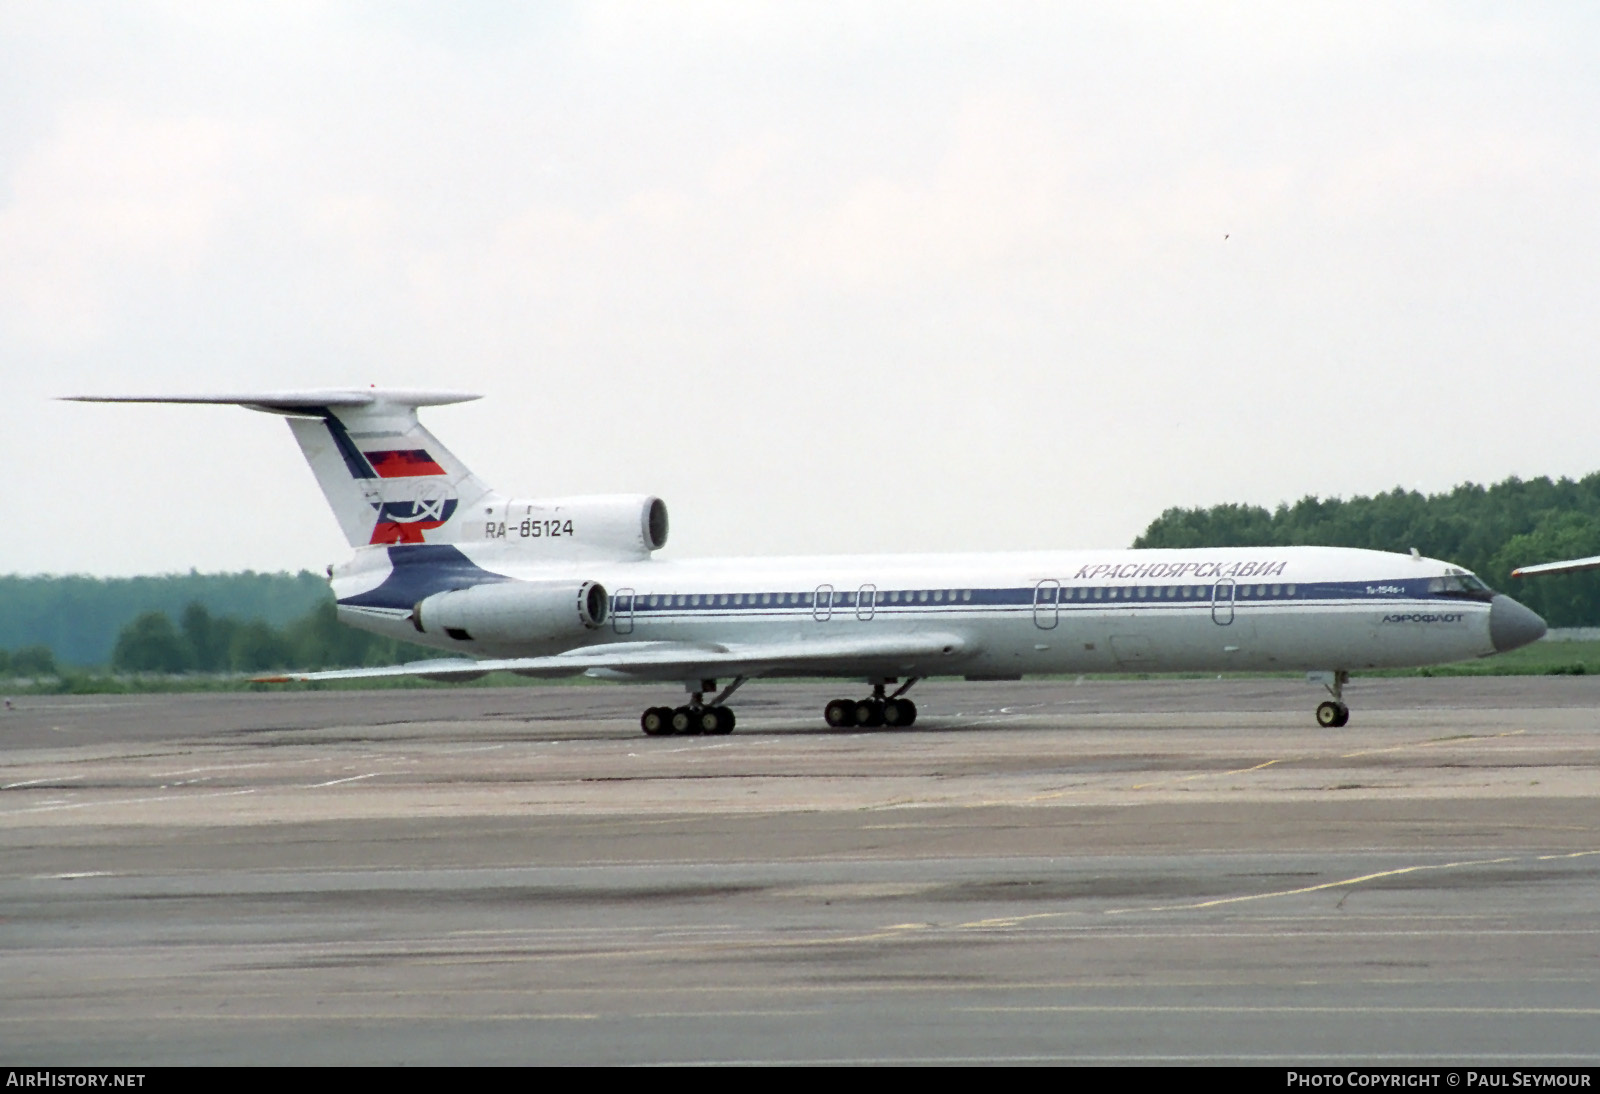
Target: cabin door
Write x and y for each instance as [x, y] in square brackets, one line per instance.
[1222, 602]
[822, 604]
[1046, 604]
[866, 602]
[622, 611]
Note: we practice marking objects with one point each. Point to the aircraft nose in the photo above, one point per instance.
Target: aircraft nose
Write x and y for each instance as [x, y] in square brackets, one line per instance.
[1511, 625]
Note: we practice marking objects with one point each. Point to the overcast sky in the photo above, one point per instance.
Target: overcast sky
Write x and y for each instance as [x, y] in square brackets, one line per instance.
[826, 277]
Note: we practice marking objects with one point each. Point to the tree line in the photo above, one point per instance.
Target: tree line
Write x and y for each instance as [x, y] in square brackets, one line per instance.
[29, 661]
[1488, 530]
[77, 618]
[201, 642]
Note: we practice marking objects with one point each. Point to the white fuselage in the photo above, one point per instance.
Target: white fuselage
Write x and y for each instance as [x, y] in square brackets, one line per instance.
[1210, 610]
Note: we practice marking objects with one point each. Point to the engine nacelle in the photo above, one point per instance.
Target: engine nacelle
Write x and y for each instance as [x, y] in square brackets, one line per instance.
[602, 526]
[514, 612]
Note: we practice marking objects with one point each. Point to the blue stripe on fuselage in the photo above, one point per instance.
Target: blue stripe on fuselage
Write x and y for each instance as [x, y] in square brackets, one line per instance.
[1066, 597]
[420, 570]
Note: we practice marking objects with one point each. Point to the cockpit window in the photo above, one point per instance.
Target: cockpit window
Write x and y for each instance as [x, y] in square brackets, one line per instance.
[1462, 585]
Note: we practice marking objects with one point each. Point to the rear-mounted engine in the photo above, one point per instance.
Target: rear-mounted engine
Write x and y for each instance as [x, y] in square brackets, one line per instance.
[604, 526]
[514, 611]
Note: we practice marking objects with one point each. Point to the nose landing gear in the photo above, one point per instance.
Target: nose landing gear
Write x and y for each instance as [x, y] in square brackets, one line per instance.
[1333, 713]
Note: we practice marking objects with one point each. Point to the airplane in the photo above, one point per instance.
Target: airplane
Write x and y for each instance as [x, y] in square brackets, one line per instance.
[556, 587]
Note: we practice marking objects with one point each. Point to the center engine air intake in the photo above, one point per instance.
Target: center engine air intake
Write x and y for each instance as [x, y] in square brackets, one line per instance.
[514, 611]
[609, 526]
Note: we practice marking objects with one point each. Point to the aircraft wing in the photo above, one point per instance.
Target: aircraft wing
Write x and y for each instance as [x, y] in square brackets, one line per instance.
[887, 655]
[1571, 566]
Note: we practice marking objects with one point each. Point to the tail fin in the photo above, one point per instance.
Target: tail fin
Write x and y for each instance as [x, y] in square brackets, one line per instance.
[387, 479]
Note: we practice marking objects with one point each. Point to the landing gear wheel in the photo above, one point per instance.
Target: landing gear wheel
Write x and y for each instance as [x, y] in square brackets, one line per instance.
[724, 721]
[707, 720]
[899, 713]
[840, 714]
[657, 721]
[684, 721]
[869, 713]
[1332, 715]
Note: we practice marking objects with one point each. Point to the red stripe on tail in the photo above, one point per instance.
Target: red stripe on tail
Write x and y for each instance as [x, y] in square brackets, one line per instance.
[403, 464]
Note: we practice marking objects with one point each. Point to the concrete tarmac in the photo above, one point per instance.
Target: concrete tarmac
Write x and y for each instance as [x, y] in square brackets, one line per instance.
[1150, 871]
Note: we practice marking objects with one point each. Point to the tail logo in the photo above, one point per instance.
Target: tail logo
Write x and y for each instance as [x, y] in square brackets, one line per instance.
[430, 505]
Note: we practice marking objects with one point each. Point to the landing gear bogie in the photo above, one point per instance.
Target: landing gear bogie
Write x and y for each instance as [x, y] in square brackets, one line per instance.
[876, 710]
[697, 716]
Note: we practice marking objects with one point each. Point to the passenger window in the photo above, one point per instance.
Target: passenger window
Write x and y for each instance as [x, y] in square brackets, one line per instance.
[966, 594]
[1289, 589]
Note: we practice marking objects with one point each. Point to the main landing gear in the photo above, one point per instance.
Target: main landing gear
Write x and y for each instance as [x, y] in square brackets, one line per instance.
[1333, 714]
[696, 716]
[878, 710]
[709, 716]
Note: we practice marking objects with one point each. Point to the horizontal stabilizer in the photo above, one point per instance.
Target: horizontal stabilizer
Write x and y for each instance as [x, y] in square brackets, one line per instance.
[299, 400]
[386, 478]
[679, 660]
[1571, 566]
